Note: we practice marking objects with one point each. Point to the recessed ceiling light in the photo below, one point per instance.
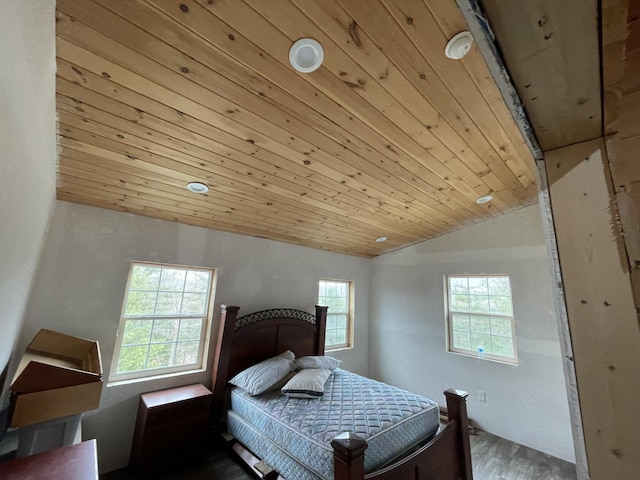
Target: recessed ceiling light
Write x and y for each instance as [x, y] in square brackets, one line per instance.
[197, 187]
[459, 45]
[484, 199]
[381, 239]
[306, 55]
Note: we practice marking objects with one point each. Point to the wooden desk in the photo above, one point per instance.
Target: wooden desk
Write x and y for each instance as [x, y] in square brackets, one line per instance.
[75, 462]
[171, 424]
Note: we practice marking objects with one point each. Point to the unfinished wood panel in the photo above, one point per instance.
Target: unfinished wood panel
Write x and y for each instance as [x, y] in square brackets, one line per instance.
[164, 92]
[551, 50]
[603, 321]
[621, 55]
[564, 332]
[614, 39]
[623, 153]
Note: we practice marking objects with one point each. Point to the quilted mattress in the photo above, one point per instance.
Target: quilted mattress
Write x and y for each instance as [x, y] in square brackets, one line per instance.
[294, 435]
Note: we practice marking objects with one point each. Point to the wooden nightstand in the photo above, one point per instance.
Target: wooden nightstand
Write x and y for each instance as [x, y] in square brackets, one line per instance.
[171, 425]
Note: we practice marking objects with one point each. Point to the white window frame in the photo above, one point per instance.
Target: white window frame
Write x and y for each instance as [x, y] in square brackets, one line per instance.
[203, 347]
[449, 321]
[350, 312]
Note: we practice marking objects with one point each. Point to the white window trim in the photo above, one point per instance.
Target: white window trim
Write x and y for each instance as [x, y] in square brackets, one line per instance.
[205, 333]
[449, 322]
[350, 314]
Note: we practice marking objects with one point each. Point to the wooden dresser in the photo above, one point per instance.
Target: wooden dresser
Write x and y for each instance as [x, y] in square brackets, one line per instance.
[171, 425]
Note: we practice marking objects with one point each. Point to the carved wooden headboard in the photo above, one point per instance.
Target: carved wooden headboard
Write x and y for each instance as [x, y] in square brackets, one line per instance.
[247, 340]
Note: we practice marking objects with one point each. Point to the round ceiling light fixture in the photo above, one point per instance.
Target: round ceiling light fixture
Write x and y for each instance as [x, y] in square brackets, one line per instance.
[197, 187]
[381, 239]
[485, 199]
[459, 45]
[306, 55]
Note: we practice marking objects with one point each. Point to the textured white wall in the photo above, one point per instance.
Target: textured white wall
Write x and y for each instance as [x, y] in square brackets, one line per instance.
[81, 280]
[27, 153]
[525, 403]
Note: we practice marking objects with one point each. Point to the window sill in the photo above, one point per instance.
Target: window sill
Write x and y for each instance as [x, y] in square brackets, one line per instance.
[129, 381]
[337, 349]
[513, 363]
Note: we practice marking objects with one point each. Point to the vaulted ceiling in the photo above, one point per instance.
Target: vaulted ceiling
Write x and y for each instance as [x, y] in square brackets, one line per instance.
[388, 138]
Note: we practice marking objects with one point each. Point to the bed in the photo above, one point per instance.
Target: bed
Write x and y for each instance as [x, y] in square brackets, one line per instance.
[385, 433]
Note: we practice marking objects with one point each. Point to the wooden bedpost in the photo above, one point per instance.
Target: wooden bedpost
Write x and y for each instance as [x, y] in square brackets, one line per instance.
[457, 410]
[321, 322]
[219, 376]
[348, 456]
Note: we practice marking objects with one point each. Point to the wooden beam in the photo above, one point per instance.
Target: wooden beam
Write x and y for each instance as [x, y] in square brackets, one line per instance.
[603, 320]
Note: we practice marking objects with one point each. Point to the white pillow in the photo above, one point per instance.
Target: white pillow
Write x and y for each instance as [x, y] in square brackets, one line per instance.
[288, 354]
[261, 377]
[317, 362]
[308, 383]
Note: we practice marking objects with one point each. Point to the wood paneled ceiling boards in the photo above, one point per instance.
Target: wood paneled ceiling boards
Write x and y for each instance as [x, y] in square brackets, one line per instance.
[388, 138]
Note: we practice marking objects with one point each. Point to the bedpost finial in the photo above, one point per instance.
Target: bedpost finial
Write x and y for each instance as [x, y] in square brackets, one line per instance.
[348, 456]
[452, 393]
[348, 446]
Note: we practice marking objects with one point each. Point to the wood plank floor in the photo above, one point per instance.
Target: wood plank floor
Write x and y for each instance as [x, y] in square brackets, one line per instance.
[494, 458]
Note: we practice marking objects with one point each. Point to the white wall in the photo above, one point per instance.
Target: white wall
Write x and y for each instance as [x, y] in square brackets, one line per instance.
[525, 403]
[27, 154]
[81, 280]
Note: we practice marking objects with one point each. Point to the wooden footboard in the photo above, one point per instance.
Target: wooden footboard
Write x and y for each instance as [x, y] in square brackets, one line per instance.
[446, 457]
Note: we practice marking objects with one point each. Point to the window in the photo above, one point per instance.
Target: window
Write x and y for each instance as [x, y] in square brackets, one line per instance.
[480, 317]
[338, 296]
[165, 321]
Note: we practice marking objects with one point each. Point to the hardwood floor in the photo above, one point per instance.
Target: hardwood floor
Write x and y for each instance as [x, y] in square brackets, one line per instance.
[493, 458]
[217, 466]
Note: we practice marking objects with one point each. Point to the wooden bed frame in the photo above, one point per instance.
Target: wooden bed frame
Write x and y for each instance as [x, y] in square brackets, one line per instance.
[247, 340]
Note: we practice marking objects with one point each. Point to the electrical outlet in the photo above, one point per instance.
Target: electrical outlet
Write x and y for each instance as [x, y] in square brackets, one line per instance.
[482, 396]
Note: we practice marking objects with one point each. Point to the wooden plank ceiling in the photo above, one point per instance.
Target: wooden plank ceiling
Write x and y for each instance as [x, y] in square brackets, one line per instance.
[388, 138]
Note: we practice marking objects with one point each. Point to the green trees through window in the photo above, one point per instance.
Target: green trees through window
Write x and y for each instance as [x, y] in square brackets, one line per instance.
[480, 316]
[337, 295]
[164, 320]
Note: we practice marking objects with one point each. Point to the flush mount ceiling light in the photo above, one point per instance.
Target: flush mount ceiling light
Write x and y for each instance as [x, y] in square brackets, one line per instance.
[484, 199]
[381, 239]
[197, 187]
[306, 55]
[459, 45]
